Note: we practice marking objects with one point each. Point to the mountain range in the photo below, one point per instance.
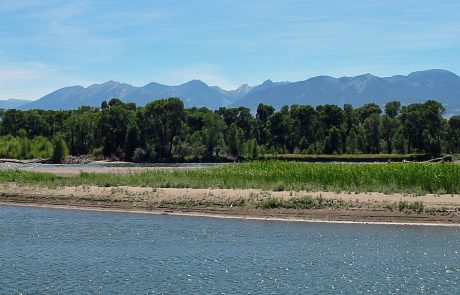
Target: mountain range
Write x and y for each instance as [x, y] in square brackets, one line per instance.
[13, 103]
[440, 85]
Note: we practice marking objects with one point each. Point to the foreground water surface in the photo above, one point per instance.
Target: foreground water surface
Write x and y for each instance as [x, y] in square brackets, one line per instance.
[57, 251]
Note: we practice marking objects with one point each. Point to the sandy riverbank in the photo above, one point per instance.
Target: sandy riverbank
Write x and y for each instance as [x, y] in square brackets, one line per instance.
[64, 171]
[360, 207]
[100, 167]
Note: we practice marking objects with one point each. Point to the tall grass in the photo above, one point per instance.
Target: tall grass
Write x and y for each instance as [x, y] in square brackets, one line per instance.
[348, 157]
[418, 178]
[27, 177]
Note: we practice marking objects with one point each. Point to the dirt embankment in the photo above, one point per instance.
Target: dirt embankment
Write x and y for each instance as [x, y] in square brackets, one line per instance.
[327, 206]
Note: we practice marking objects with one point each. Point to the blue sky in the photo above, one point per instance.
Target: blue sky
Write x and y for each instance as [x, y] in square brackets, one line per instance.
[47, 44]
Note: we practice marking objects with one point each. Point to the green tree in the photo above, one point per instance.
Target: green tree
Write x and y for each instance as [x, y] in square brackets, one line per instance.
[390, 123]
[368, 110]
[304, 123]
[112, 129]
[12, 122]
[250, 150]
[198, 149]
[454, 134]
[242, 117]
[434, 130]
[422, 126]
[80, 129]
[352, 142]
[392, 109]
[349, 118]
[163, 120]
[372, 131]
[59, 150]
[235, 140]
[333, 141]
[132, 140]
[279, 129]
[212, 135]
[262, 116]
[399, 143]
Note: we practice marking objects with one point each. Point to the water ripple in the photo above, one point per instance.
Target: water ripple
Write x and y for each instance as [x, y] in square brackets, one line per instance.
[76, 252]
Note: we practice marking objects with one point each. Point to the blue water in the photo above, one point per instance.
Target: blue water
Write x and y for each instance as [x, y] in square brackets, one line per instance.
[55, 251]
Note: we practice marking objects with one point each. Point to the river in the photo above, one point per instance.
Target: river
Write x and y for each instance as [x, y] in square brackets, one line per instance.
[58, 251]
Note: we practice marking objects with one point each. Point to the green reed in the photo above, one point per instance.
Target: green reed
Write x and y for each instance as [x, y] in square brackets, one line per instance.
[414, 178]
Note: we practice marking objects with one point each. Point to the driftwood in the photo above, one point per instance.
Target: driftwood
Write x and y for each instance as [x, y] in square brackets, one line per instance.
[441, 159]
[12, 161]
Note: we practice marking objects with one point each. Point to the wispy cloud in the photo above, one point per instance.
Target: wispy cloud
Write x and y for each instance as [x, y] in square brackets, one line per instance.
[62, 28]
[25, 71]
[31, 80]
[221, 42]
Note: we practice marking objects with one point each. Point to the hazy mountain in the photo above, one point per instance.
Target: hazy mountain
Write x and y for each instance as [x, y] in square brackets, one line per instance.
[12, 103]
[76, 96]
[193, 93]
[266, 85]
[440, 85]
[234, 95]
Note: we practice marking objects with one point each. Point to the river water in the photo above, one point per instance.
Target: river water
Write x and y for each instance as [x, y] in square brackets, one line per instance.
[55, 251]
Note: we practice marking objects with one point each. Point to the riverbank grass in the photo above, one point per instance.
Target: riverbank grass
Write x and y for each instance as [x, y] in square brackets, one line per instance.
[413, 178]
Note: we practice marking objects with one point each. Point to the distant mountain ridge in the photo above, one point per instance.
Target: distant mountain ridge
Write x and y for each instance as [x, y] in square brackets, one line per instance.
[418, 86]
[440, 85]
[12, 103]
[193, 93]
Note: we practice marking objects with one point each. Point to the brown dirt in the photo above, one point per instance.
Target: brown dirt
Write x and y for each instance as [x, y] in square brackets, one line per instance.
[366, 207]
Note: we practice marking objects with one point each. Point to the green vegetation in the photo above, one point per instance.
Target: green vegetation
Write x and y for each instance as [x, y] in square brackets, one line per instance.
[348, 157]
[405, 206]
[59, 150]
[189, 203]
[164, 131]
[416, 206]
[267, 202]
[418, 178]
[24, 148]
[26, 177]
[305, 202]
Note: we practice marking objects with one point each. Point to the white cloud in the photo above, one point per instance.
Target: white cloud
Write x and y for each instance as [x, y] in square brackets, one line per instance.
[32, 80]
[21, 71]
[71, 29]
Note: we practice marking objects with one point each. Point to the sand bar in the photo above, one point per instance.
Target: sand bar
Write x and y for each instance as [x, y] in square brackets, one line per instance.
[361, 207]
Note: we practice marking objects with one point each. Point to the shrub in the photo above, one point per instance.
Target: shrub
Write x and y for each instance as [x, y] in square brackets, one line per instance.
[59, 150]
[139, 155]
[416, 206]
[97, 153]
[24, 148]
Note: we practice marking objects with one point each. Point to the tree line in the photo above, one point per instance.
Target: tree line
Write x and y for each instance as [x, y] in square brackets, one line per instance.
[164, 130]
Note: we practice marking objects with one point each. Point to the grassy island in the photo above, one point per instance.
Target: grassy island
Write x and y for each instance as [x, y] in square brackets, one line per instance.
[413, 178]
[393, 192]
